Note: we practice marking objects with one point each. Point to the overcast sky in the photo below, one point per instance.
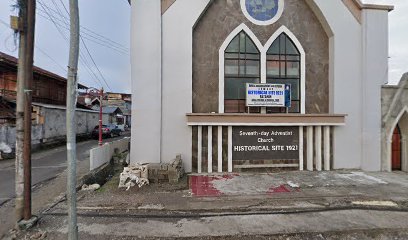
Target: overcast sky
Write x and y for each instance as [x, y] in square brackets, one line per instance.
[108, 23]
[105, 18]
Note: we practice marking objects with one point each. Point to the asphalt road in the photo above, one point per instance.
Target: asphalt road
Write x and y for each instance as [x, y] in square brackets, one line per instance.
[46, 165]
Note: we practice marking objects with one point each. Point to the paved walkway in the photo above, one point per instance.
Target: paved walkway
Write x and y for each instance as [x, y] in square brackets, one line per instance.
[233, 206]
[49, 179]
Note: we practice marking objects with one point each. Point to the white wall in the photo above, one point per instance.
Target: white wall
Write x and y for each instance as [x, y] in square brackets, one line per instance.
[346, 86]
[375, 74]
[358, 70]
[146, 80]
[103, 154]
[178, 23]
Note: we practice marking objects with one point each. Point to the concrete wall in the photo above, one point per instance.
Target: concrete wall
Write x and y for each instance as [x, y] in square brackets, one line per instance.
[8, 134]
[161, 78]
[375, 75]
[146, 52]
[54, 126]
[103, 154]
[178, 27]
[346, 51]
[394, 112]
[298, 17]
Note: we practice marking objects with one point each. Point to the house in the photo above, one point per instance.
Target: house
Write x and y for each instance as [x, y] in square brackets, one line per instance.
[48, 88]
[244, 84]
[124, 102]
[48, 106]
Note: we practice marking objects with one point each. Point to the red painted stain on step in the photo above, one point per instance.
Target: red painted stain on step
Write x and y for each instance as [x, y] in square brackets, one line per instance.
[202, 186]
[279, 189]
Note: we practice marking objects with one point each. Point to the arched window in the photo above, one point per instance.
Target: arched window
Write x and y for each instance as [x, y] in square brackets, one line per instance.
[283, 67]
[242, 65]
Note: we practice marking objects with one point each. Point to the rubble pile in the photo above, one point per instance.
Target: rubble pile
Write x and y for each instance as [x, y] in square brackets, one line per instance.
[143, 174]
[133, 175]
[166, 172]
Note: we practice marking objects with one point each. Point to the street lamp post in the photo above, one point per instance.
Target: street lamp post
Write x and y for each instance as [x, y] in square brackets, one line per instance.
[88, 101]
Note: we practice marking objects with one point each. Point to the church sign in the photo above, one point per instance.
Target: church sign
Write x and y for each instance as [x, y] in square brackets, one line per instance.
[265, 143]
[267, 95]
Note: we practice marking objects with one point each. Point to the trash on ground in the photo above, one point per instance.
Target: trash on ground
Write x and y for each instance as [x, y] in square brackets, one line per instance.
[5, 148]
[91, 187]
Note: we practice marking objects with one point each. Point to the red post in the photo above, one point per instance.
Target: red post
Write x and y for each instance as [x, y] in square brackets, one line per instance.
[100, 116]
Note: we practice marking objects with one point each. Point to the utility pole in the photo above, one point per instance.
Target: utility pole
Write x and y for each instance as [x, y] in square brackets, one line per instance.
[21, 76]
[29, 58]
[71, 119]
[25, 25]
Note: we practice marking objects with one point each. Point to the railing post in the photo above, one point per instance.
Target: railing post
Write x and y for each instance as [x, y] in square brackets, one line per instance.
[229, 148]
[199, 149]
[310, 148]
[318, 147]
[327, 148]
[301, 160]
[219, 142]
[209, 146]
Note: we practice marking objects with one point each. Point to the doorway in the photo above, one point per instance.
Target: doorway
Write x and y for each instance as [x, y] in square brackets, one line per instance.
[396, 149]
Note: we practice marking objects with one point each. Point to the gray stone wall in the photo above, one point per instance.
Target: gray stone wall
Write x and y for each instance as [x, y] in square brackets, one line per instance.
[223, 16]
[393, 114]
[54, 127]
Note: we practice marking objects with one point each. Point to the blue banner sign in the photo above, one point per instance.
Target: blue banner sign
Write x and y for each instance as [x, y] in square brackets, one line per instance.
[267, 95]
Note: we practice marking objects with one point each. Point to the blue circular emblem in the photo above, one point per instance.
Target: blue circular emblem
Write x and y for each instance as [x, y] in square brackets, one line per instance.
[262, 12]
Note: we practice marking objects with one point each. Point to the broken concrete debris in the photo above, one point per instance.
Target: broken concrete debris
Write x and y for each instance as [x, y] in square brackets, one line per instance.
[143, 174]
[133, 175]
[166, 172]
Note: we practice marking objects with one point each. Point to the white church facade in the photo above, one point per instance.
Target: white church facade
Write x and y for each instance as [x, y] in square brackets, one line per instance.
[237, 85]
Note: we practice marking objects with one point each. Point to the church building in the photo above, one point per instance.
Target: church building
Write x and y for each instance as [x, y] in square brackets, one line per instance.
[242, 85]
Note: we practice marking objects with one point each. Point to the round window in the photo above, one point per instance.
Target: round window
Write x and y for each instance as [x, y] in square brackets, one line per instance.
[262, 12]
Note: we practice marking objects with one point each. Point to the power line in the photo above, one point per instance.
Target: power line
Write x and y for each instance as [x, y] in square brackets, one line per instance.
[87, 50]
[66, 39]
[85, 35]
[126, 48]
[4, 23]
[89, 32]
[83, 42]
[52, 59]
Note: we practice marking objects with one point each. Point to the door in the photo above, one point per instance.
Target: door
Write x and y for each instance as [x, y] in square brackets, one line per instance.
[396, 149]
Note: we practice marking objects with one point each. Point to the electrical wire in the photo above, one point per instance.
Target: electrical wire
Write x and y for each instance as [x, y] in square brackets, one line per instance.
[52, 59]
[126, 48]
[85, 35]
[84, 44]
[89, 34]
[82, 58]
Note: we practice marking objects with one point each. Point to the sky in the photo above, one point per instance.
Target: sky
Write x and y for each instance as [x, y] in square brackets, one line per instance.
[398, 29]
[108, 23]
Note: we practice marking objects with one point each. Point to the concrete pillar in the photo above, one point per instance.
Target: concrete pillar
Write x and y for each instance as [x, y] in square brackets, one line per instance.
[327, 148]
[146, 81]
[209, 149]
[229, 148]
[310, 148]
[318, 147]
[219, 142]
[200, 149]
[301, 159]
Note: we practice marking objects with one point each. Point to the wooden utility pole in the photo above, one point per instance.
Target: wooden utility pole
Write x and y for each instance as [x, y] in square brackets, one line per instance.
[29, 58]
[71, 119]
[25, 26]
